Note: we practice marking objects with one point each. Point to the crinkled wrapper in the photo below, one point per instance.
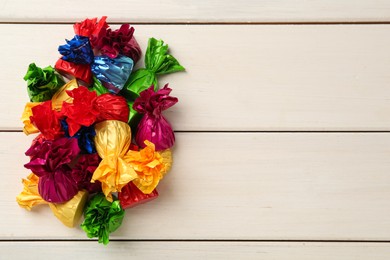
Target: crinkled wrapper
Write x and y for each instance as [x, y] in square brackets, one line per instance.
[112, 107]
[42, 83]
[154, 127]
[157, 62]
[131, 196]
[29, 127]
[77, 50]
[50, 162]
[46, 120]
[102, 217]
[62, 96]
[93, 29]
[98, 87]
[73, 70]
[112, 141]
[84, 136]
[112, 72]
[83, 170]
[82, 111]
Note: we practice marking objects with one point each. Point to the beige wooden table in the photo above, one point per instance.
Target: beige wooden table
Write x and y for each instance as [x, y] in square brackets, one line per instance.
[283, 130]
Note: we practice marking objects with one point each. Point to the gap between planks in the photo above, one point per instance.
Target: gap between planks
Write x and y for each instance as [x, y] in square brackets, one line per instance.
[215, 23]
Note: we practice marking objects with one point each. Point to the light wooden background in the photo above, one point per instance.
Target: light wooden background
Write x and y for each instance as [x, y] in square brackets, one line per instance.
[283, 130]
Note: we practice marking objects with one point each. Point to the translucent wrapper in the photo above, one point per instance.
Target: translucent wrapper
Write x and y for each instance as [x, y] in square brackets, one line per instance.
[131, 196]
[42, 83]
[74, 70]
[113, 72]
[62, 96]
[102, 217]
[157, 62]
[112, 142]
[78, 50]
[69, 213]
[50, 160]
[29, 127]
[153, 126]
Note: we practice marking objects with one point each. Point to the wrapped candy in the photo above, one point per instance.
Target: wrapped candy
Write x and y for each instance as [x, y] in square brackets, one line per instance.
[46, 120]
[131, 196]
[42, 83]
[102, 217]
[157, 62]
[120, 41]
[112, 142]
[112, 107]
[92, 29]
[113, 72]
[68, 213]
[149, 167]
[70, 69]
[153, 126]
[82, 111]
[50, 162]
[78, 50]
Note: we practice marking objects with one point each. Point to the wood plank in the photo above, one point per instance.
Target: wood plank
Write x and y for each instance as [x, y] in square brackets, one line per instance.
[242, 77]
[197, 250]
[187, 11]
[239, 186]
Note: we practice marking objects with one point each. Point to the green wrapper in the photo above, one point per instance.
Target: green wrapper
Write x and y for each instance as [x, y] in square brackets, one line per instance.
[157, 62]
[102, 217]
[42, 83]
[98, 87]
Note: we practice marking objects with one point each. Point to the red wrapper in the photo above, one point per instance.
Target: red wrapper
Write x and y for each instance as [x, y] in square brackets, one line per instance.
[47, 120]
[131, 196]
[79, 71]
[112, 107]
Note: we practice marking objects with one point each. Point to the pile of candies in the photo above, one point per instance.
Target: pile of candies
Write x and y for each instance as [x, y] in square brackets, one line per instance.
[85, 161]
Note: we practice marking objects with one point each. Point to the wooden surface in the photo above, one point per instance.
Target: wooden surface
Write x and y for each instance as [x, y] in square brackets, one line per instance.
[316, 187]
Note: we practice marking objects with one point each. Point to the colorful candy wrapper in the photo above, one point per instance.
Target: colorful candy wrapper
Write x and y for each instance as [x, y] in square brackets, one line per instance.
[102, 217]
[131, 196]
[73, 70]
[42, 83]
[112, 72]
[83, 156]
[157, 62]
[112, 142]
[153, 126]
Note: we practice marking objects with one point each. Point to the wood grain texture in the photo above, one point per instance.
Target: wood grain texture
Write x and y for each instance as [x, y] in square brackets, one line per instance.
[242, 77]
[197, 250]
[188, 11]
[239, 186]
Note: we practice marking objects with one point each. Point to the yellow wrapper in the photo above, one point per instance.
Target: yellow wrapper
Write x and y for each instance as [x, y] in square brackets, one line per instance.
[69, 213]
[30, 197]
[167, 160]
[149, 167]
[29, 128]
[112, 141]
[61, 96]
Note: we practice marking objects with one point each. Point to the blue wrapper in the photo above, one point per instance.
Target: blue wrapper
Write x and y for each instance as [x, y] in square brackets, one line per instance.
[78, 50]
[113, 73]
[84, 137]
